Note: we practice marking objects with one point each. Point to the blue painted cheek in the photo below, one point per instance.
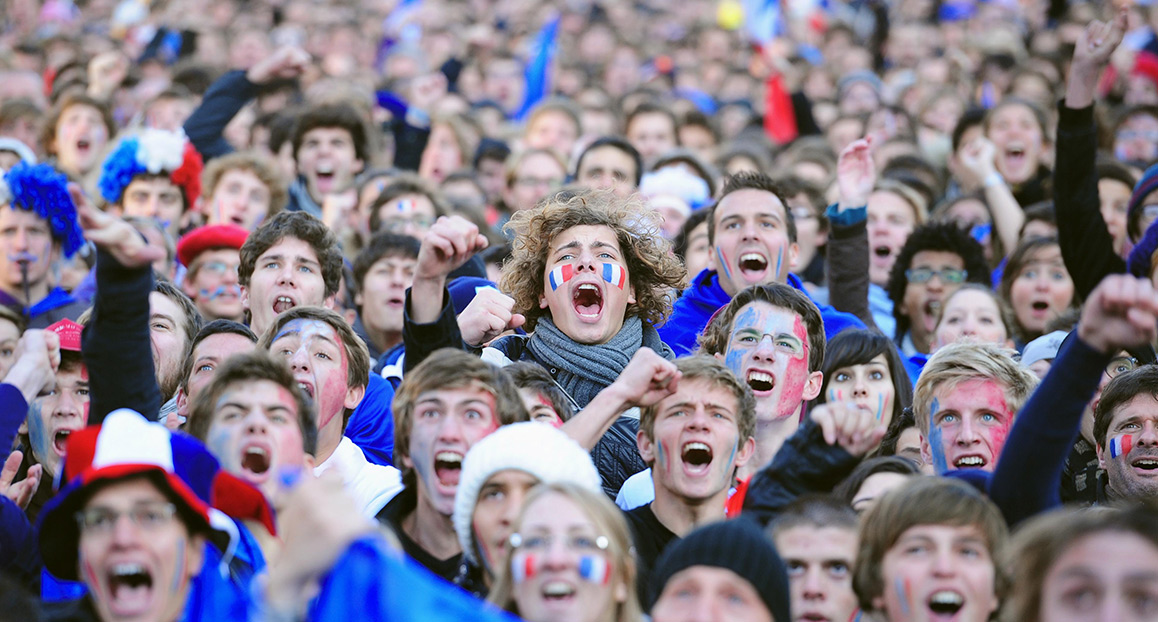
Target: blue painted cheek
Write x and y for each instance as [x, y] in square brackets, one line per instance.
[735, 361]
[37, 437]
[937, 449]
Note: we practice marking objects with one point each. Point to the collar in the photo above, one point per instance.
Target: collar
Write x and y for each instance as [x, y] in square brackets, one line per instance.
[347, 457]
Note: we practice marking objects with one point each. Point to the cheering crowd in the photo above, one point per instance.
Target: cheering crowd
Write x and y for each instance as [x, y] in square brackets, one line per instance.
[710, 310]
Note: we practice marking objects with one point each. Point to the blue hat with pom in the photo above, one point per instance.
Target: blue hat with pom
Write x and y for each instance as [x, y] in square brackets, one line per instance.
[42, 189]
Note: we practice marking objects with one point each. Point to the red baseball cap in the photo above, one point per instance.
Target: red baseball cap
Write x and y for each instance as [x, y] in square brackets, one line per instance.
[69, 332]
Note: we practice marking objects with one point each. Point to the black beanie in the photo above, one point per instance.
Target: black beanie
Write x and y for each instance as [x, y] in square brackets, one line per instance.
[737, 545]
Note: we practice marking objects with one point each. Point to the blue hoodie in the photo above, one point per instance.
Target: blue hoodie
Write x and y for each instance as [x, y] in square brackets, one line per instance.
[705, 296]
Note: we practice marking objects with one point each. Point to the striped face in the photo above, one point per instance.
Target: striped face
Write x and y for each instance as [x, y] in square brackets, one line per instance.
[594, 568]
[560, 275]
[1120, 446]
[586, 284]
[614, 274]
[523, 567]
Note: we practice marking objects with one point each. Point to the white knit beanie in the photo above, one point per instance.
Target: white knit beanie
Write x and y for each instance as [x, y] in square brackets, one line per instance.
[533, 447]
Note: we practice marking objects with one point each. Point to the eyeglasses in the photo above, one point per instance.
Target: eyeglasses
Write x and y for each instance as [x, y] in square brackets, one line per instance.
[399, 225]
[541, 543]
[217, 268]
[924, 275]
[148, 516]
[1121, 365]
[538, 182]
[803, 213]
[1150, 212]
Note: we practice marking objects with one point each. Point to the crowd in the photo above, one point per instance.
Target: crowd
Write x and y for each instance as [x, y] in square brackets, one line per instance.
[579, 310]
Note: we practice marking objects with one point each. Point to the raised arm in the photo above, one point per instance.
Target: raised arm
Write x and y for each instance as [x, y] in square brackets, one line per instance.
[647, 379]
[848, 277]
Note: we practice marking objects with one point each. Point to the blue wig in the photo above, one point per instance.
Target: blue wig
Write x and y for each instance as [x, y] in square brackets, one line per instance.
[42, 189]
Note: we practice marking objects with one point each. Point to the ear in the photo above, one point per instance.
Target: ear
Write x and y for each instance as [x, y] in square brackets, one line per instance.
[719, 356]
[1101, 456]
[793, 256]
[745, 453]
[926, 451]
[359, 300]
[308, 462]
[812, 386]
[543, 300]
[194, 556]
[182, 403]
[354, 397]
[630, 293]
[245, 298]
[116, 210]
[358, 166]
[712, 259]
[646, 447]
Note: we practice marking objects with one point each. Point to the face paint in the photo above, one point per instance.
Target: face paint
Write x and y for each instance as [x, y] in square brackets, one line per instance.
[660, 456]
[723, 263]
[221, 290]
[1120, 447]
[880, 405]
[795, 374]
[902, 587]
[522, 567]
[404, 206]
[936, 443]
[90, 578]
[219, 445]
[732, 458]
[779, 260]
[483, 549]
[329, 377]
[614, 274]
[560, 275]
[41, 444]
[179, 569]
[594, 569]
[22, 256]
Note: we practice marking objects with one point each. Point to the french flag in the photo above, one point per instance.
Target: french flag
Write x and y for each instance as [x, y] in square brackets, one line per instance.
[522, 567]
[561, 275]
[594, 568]
[1121, 446]
[614, 274]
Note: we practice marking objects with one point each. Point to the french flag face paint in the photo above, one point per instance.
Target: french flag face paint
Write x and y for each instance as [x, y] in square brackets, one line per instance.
[523, 567]
[1121, 445]
[614, 274]
[595, 569]
[561, 275]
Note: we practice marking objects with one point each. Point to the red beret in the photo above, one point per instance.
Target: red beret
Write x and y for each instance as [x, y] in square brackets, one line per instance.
[69, 332]
[209, 237]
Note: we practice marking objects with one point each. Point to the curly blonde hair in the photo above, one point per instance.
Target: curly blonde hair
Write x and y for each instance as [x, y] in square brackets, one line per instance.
[654, 270]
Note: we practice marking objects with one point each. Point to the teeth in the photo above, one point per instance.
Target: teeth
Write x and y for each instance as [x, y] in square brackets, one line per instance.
[325, 169]
[972, 461]
[759, 376]
[285, 299]
[1146, 462]
[947, 598]
[256, 451]
[556, 588]
[127, 569]
[696, 445]
[589, 286]
[448, 456]
[751, 257]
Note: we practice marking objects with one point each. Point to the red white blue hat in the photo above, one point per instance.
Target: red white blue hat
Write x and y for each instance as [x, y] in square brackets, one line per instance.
[128, 445]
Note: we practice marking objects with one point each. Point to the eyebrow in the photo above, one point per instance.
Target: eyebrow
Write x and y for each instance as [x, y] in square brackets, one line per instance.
[576, 244]
[163, 316]
[268, 406]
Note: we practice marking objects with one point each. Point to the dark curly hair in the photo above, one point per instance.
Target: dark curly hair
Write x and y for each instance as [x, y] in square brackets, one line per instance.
[304, 227]
[654, 270]
[944, 237]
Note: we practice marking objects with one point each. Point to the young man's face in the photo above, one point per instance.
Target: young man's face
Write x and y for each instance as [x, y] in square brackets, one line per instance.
[80, 138]
[586, 285]
[540, 408]
[698, 256]
[115, 551]
[968, 424]
[57, 413]
[819, 561]
[710, 588]
[156, 198]
[695, 445]
[499, 501]
[608, 168]
[937, 572]
[1114, 197]
[751, 245]
[167, 336]
[922, 301]
[255, 433]
[1130, 454]
[447, 423]
[24, 235]
[383, 292]
[287, 275]
[240, 198]
[553, 130]
[327, 160]
[890, 221]
[1127, 586]
[768, 349]
[213, 286]
[536, 176]
[652, 134]
[207, 356]
[409, 214]
[317, 358]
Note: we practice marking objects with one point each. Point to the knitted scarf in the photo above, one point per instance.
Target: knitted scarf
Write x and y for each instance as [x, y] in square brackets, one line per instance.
[585, 370]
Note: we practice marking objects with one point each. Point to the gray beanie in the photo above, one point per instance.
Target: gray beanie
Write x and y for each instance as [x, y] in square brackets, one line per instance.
[533, 447]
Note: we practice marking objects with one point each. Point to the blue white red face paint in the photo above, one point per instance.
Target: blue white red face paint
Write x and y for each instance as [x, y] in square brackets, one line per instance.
[1120, 446]
[592, 568]
[523, 567]
[614, 274]
[560, 275]
[611, 273]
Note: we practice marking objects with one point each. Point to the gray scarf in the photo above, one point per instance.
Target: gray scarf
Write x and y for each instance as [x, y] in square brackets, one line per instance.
[584, 370]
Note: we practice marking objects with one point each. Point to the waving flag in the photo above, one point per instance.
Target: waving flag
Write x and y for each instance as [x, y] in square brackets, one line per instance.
[538, 69]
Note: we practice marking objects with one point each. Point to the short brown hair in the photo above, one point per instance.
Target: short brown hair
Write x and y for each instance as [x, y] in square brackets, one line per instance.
[653, 269]
[960, 362]
[357, 355]
[710, 369]
[752, 181]
[450, 369]
[251, 162]
[251, 367]
[717, 334]
[48, 130]
[304, 227]
[923, 501]
[1118, 393]
[402, 184]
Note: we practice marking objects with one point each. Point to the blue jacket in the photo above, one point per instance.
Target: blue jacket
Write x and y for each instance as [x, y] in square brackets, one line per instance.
[705, 296]
[371, 426]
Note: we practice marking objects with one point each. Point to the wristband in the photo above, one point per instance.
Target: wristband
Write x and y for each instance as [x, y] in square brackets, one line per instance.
[994, 179]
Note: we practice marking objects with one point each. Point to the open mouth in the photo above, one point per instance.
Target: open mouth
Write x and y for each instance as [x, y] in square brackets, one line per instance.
[307, 388]
[283, 303]
[882, 251]
[558, 591]
[1146, 463]
[255, 459]
[588, 300]
[946, 602]
[448, 467]
[60, 441]
[1039, 306]
[1015, 157]
[131, 588]
[753, 265]
[761, 381]
[697, 457]
[969, 462]
[325, 176]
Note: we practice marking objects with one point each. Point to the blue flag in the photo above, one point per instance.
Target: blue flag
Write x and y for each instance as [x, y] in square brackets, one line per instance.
[538, 68]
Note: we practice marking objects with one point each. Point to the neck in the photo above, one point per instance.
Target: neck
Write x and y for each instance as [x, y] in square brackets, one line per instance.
[771, 432]
[37, 291]
[920, 340]
[329, 438]
[431, 530]
[681, 515]
[383, 339]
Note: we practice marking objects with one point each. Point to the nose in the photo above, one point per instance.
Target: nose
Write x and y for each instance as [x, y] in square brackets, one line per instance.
[765, 349]
[966, 433]
[860, 385]
[230, 275]
[557, 556]
[255, 422]
[969, 327]
[812, 587]
[67, 405]
[1149, 435]
[943, 563]
[125, 532]
[286, 276]
[300, 360]
[450, 429]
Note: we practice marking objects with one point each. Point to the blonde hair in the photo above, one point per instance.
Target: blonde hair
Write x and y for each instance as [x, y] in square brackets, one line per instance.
[959, 362]
[918, 204]
[609, 522]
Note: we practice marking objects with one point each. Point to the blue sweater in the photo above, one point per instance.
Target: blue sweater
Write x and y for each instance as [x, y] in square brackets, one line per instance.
[705, 296]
